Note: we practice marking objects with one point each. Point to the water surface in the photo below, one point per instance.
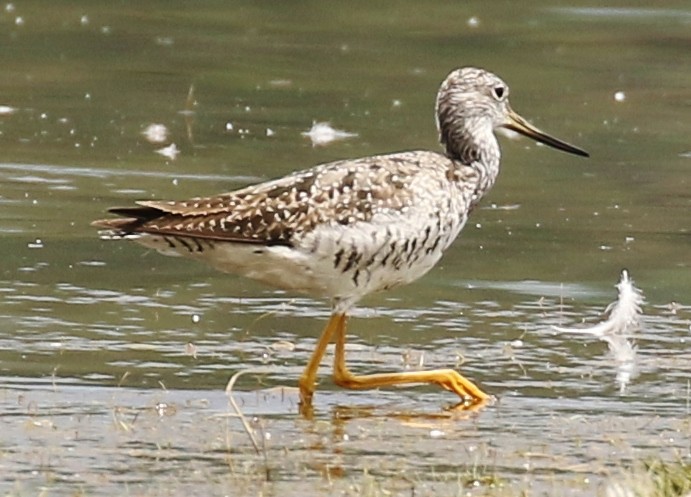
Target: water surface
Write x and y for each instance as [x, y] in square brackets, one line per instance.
[114, 360]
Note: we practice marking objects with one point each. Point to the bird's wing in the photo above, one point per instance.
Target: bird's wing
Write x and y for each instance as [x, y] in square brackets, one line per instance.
[271, 213]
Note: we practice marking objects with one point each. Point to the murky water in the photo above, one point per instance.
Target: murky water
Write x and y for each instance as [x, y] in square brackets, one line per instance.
[114, 360]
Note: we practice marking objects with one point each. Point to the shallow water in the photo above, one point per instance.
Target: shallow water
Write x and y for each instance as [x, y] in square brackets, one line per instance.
[114, 360]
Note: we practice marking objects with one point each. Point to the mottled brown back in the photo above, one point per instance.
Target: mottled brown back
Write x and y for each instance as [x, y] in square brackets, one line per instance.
[272, 213]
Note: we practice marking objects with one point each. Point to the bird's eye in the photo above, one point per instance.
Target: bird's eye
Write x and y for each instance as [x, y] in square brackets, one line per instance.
[499, 92]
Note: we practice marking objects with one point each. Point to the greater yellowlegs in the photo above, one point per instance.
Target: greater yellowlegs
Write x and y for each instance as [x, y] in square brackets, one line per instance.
[348, 228]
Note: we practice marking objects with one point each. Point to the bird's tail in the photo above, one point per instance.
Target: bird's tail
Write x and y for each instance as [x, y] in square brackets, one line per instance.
[132, 218]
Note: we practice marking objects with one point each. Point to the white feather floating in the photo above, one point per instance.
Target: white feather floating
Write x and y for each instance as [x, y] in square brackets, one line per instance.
[623, 321]
[323, 133]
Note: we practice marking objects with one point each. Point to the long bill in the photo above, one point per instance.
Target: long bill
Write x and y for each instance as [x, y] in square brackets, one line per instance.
[520, 125]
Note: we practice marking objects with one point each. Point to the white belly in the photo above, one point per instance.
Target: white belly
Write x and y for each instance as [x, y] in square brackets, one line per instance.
[342, 263]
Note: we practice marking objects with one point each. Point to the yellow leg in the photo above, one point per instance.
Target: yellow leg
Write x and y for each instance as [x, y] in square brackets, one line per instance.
[309, 375]
[445, 378]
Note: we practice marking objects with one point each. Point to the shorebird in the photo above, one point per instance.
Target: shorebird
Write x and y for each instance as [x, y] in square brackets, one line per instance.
[345, 229]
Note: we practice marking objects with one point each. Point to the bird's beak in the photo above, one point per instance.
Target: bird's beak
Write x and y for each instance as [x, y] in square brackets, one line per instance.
[520, 125]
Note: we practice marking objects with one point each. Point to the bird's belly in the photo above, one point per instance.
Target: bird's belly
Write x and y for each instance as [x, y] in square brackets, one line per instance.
[360, 259]
[342, 264]
[295, 269]
[278, 266]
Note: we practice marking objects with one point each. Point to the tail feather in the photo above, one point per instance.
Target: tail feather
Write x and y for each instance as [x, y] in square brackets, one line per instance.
[133, 218]
[138, 212]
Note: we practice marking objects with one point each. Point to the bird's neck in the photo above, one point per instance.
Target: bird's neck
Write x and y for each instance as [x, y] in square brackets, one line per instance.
[474, 145]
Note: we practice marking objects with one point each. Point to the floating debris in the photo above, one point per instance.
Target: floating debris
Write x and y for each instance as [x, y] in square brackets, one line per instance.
[322, 133]
[436, 433]
[623, 321]
[619, 96]
[164, 409]
[506, 207]
[6, 110]
[37, 244]
[164, 41]
[191, 349]
[283, 345]
[280, 83]
[171, 151]
[156, 133]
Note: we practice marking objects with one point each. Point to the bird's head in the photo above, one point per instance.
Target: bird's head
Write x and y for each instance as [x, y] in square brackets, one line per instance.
[471, 104]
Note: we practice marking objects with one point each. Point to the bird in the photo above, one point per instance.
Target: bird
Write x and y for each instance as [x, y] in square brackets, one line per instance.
[345, 229]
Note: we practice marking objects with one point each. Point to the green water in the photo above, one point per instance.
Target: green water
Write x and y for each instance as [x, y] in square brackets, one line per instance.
[94, 334]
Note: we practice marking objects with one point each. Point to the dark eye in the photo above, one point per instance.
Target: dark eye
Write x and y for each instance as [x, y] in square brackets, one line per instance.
[499, 92]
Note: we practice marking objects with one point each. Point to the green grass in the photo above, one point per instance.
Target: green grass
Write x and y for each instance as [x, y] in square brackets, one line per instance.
[653, 478]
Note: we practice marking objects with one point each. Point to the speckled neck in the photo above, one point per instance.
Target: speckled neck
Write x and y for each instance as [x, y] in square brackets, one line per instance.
[468, 138]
